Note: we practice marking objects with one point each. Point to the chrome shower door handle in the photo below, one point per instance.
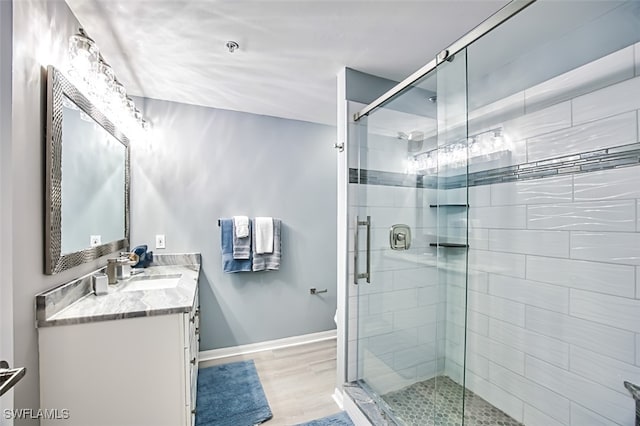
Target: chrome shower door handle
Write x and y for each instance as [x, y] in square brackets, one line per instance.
[356, 249]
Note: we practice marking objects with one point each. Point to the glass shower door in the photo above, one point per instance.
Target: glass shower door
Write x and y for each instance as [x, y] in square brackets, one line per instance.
[401, 253]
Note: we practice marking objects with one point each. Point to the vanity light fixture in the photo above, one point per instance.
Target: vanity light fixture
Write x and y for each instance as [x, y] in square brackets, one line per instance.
[97, 80]
[487, 144]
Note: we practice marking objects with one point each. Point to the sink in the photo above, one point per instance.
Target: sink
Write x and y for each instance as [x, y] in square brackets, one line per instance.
[153, 282]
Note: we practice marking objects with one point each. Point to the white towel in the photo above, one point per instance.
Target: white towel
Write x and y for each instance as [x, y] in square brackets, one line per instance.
[269, 261]
[264, 235]
[241, 225]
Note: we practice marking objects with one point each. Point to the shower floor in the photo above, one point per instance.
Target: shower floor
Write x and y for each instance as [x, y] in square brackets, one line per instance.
[424, 404]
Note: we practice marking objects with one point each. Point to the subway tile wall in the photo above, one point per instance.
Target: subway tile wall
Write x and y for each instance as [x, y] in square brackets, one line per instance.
[558, 313]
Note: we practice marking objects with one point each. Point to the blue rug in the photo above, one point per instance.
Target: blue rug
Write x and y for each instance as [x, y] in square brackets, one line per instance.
[231, 395]
[340, 419]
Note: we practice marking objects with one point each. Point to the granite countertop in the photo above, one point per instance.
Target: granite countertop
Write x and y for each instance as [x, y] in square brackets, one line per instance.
[76, 303]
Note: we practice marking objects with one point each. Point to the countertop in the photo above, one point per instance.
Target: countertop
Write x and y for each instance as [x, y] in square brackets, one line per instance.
[76, 303]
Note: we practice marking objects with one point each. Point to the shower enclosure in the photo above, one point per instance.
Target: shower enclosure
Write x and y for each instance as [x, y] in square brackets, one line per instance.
[510, 291]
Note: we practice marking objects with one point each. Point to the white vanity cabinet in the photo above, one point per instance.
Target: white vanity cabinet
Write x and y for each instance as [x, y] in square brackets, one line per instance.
[127, 372]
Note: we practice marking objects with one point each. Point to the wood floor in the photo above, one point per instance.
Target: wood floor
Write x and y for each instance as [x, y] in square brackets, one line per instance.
[298, 381]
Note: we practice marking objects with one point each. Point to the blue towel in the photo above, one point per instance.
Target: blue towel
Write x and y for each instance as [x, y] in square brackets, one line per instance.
[229, 264]
[268, 261]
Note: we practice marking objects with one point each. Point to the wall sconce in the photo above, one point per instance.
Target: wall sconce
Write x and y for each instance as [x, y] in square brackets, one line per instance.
[97, 80]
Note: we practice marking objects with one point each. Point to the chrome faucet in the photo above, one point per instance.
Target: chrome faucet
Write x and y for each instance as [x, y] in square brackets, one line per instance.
[118, 268]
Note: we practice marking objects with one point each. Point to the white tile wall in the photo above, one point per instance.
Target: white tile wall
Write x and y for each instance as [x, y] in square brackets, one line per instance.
[610, 341]
[486, 117]
[537, 191]
[550, 119]
[580, 416]
[551, 350]
[480, 196]
[501, 263]
[613, 215]
[410, 318]
[393, 301]
[498, 217]
[535, 417]
[603, 72]
[567, 321]
[533, 293]
[497, 307]
[617, 130]
[603, 370]
[617, 280]
[607, 102]
[554, 404]
[621, 183]
[614, 247]
[500, 354]
[615, 311]
[608, 403]
[549, 243]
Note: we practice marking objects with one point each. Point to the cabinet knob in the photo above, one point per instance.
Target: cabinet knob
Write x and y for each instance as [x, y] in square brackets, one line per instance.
[193, 361]
[197, 330]
[193, 411]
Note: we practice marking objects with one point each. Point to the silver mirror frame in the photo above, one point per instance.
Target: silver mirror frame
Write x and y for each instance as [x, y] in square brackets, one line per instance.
[54, 261]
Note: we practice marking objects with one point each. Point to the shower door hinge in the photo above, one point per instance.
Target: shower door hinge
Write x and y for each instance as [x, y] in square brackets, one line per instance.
[339, 146]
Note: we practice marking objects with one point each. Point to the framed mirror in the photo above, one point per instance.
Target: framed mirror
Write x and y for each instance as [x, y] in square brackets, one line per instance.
[86, 181]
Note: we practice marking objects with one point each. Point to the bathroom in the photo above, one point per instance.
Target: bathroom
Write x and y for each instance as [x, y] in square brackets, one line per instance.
[508, 152]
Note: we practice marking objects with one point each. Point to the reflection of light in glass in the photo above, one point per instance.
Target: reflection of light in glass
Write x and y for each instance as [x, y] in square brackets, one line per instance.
[96, 80]
[85, 117]
[68, 103]
[83, 54]
[485, 144]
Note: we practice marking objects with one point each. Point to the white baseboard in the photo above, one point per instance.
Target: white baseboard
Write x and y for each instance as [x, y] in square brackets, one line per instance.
[338, 397]
[266, 346]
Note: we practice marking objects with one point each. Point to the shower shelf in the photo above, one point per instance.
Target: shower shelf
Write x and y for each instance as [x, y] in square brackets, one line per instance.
[448, 205]
[449, 245]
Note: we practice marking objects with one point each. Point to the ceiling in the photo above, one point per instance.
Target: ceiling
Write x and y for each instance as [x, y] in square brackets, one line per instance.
[290, 51]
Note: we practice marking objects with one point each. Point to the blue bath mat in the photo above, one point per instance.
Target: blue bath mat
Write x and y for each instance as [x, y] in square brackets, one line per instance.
[231, 395]
[340, 419]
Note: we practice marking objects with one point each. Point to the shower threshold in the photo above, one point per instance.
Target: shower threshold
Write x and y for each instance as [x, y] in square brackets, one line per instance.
[438, 402]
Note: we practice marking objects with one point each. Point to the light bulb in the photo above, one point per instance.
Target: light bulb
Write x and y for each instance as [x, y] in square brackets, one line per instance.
[83, 54]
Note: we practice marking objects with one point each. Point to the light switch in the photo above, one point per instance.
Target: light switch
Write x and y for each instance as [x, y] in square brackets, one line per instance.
[95, 240]
[160, 242]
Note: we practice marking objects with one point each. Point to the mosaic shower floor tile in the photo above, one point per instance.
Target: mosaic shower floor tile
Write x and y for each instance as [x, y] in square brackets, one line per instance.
[438, 402]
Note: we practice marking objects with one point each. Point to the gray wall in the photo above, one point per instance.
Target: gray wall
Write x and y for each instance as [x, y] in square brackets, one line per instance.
[6, 283]
[41, 33]
[203, 164]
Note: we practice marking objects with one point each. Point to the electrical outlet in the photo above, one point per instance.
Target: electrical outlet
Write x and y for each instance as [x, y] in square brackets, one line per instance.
[95, 240]
[160, 241]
